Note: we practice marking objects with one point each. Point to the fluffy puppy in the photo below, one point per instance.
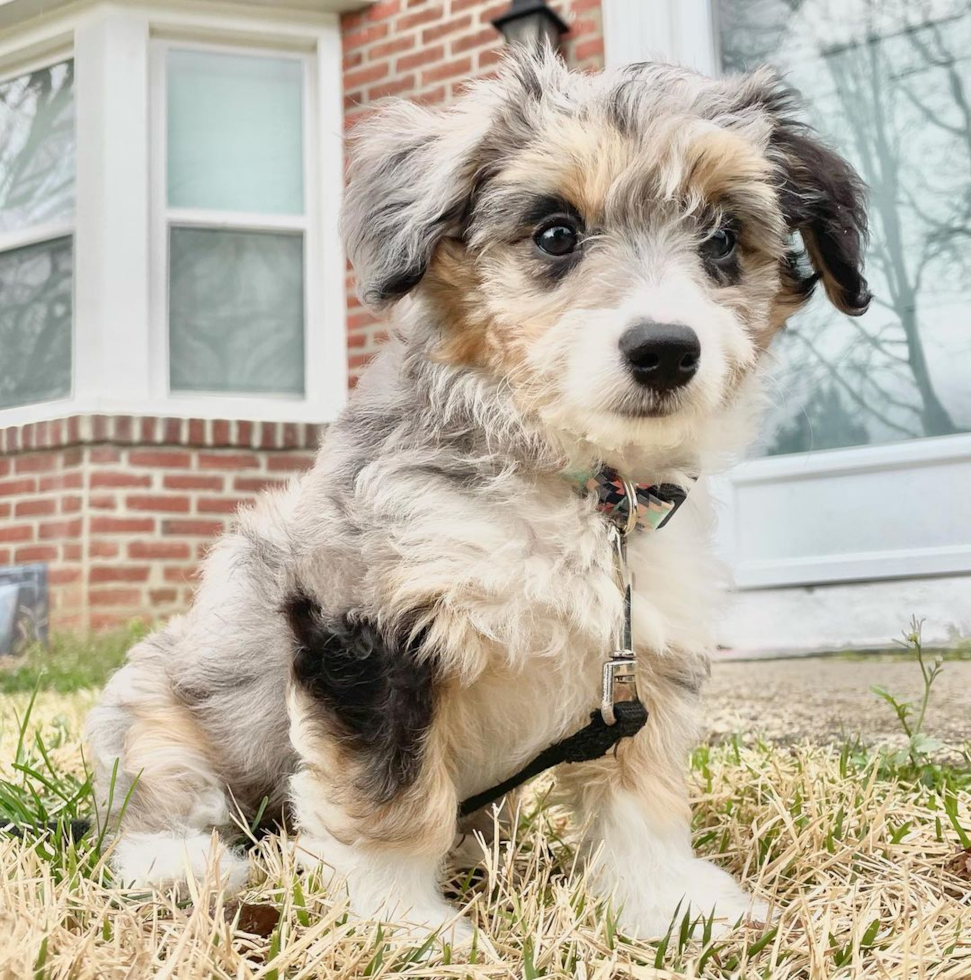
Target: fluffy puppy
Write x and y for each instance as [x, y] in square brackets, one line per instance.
[594, 266]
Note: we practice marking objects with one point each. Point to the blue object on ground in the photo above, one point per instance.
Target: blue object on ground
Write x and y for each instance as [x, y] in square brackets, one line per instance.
[23, 607]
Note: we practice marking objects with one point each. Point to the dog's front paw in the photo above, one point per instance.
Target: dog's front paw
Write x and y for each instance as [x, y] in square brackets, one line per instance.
[699, 890]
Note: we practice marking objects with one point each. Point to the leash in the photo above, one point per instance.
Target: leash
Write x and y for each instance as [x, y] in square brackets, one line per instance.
[628, 507]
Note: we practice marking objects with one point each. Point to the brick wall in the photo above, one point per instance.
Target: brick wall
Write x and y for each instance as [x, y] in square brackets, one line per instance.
[122, 509]
[427, 50]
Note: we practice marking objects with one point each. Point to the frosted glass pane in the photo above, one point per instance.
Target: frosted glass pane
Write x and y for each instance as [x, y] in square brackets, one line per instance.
[236, 311]
[35, 323]
[37, 147]
[889, 83]
[235, 132]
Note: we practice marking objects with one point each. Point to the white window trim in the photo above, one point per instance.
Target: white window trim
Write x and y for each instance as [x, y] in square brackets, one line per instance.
[48, 231]
[684, 31]
[115, 364]
[164, 218]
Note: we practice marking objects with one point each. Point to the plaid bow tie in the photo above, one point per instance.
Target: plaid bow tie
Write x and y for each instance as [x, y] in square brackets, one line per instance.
[656, 502]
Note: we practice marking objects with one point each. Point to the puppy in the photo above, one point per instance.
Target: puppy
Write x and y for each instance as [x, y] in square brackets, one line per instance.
[585, 270]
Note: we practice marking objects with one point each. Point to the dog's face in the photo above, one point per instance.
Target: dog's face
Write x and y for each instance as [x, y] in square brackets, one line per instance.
[617, 248]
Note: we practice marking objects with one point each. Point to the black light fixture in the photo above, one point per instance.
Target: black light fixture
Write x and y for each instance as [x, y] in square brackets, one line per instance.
[530, 23]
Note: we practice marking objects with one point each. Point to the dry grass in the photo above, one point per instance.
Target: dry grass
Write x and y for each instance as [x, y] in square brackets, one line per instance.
[854, 860]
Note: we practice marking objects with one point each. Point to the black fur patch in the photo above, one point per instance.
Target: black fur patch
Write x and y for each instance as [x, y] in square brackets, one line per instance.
[375, 694]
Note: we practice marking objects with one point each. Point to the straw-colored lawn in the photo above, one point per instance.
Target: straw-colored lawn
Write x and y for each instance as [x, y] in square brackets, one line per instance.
[861, 867]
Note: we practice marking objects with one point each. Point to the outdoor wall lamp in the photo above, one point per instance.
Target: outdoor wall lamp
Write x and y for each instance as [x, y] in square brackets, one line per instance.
[531, 23]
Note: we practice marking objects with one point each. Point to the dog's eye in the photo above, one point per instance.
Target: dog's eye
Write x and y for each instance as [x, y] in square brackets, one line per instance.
[719, 246]
[559, 238]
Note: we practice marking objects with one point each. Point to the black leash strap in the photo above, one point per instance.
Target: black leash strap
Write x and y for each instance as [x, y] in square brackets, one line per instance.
[592, 742]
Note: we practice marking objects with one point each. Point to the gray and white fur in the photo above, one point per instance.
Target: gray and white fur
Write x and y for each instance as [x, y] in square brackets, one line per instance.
[428, 607]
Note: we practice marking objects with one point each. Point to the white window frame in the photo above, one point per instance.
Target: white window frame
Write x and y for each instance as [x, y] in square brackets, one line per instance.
[165, 218]
[117, 343]
[684, 31]
[49, 231]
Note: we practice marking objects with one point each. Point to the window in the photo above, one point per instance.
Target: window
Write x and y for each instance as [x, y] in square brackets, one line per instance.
[36, 234]
[235, 220]
[890, 85]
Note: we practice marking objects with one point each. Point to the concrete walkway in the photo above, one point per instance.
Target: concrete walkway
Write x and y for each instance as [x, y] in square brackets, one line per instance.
[825, 699]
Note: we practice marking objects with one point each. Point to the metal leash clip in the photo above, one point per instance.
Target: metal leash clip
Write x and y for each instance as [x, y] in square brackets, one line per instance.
[618, 678]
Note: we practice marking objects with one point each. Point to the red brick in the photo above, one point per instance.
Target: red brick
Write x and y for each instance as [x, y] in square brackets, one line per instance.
[288, 462]
[17, 532]
[395, 46]
[423, 57]
[589, 49]
[580, 6]
[420, 17]
[159, 550]
[220, 432]
[189, 481]
[450, 69]
[59, 529]
[71, 504]
[102, 501]
[364, 76]
[381, 11]
[113, 478]
[432, 97]
[105, 454]
[36, 552]
[179, 573]
[581, 30]
[37, 507]
[115, 597]
[10, 487]
[147, 430]
[364, 36]
[228, 461]
[158, 502]
[6, 509]
[395, 87]
[172, 431]
[218, 505]
[488, 14]
[62, 481]
[445, 28]
[122, 525]
[160, 457]
[103, 549]
[190, 528]
[244, 433]
[160, 597]
[197, 432]
[71, 551]
[477, 40]
[255, 484]
[5, 558]
[118, 573]
[63, 576]
[35, 464]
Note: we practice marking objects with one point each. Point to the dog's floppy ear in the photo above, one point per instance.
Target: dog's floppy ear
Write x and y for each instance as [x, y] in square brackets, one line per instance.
[823, 198]
[411, 173]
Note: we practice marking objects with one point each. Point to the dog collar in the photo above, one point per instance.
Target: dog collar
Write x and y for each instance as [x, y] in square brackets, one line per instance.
[656, 502]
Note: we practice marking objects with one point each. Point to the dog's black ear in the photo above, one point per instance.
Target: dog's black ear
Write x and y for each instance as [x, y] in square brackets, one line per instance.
[410, 177]
[823, 198]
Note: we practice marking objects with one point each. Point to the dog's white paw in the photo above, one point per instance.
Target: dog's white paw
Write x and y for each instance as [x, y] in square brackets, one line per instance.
[165, 860]
[698, 889]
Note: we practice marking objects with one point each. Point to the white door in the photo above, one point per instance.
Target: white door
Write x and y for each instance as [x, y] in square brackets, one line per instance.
[855, 511]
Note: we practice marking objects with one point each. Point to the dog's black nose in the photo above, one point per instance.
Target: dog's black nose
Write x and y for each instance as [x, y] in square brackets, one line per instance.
[661, 356]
